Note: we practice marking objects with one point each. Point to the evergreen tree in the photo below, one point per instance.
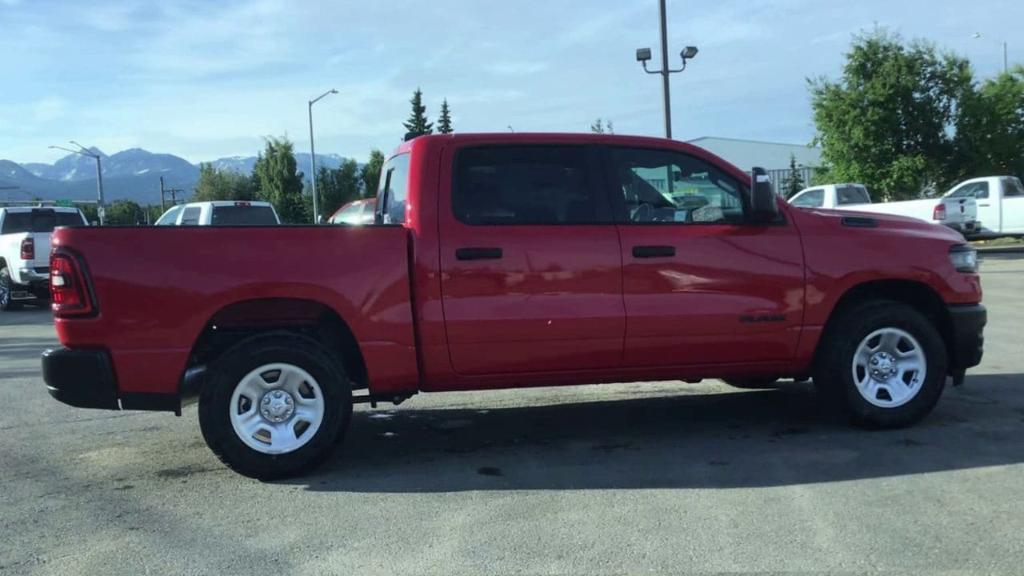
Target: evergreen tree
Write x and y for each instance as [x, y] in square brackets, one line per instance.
[338, 187]
[444, 123]
[280, 181]
[370, 174]
[216, 185]
[601, 127]
[795, 180]
[124, 213]
[417, 124]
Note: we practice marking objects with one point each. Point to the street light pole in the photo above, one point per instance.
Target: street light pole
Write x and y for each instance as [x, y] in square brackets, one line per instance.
[83, 151]
[312, 156]
[643, 55]
[664, 70]
[1006, 60]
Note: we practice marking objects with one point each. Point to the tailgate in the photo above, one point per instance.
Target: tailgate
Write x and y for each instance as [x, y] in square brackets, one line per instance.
[961, 209]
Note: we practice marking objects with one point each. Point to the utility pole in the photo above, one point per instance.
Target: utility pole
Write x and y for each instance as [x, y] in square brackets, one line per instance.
[312, 156]
[162, 208]
[643, 55]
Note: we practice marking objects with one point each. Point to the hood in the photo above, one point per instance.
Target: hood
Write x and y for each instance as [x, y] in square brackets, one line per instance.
[874, 222]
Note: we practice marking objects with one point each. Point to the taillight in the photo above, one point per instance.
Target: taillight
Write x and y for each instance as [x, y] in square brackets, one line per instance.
[67, 287]
[28, 249]
[939, 213]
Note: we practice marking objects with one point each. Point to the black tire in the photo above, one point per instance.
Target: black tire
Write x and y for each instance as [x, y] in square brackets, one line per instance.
[833, 369]
[766, 383]
[227, 372]
[6, 286]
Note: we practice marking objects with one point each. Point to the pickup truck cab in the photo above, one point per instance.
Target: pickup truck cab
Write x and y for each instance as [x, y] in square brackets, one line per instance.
[511, 260]
[958, 213]
[220, 213]
[25, 250]
[1000, 204]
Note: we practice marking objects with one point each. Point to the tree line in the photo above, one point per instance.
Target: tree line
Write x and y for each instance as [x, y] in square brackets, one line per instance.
[906, 118]
[276, 178]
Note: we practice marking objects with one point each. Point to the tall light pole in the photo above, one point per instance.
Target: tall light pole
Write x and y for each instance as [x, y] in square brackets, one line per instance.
[1006, 63]
[312, 155]
[644, 54]
[83, 151]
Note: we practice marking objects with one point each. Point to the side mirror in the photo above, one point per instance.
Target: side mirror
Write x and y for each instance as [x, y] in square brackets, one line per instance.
[764, 205]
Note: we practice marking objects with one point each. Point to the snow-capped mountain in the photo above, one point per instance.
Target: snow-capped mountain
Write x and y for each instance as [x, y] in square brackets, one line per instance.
[132, 174]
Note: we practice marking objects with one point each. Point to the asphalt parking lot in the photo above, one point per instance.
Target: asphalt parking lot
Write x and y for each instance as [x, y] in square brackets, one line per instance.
[598, 479]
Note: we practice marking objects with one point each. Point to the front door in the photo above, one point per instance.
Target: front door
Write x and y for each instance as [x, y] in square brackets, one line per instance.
[531, 271]
[701, 286]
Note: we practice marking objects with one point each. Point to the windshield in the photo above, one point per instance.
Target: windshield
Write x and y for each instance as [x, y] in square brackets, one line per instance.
[243, 216]
[39, 221]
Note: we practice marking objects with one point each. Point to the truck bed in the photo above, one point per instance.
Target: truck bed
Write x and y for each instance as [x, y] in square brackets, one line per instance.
[157, 290]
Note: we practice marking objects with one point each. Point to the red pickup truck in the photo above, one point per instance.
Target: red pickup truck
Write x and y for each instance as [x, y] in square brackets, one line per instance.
[510, 260]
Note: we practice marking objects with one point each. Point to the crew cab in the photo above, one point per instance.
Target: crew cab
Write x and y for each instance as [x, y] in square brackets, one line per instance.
[25, 250]
[1000, 204]
[511, 260]
[959, 213]
[220, 213]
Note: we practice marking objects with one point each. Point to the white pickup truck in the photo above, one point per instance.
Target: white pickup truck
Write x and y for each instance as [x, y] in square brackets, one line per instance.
[960, 213]
[25, 250]
[1000, 204]
[220, 213]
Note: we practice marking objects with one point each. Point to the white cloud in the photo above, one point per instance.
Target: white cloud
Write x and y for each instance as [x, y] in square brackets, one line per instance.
[48, 109]
[516, 68]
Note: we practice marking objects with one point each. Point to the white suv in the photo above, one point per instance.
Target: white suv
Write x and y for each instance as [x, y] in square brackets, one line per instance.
[25, 250]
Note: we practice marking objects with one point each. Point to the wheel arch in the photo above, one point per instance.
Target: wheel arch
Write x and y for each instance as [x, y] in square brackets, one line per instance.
[917, 295]
[243, 319]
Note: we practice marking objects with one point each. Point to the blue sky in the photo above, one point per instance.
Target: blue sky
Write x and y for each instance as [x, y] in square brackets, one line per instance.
[204, 79]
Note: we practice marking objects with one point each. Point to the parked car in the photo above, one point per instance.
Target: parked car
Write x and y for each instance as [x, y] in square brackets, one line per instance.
[25, 250]
[355, 213]
[958, 213]
[222, 213]
[508, 260]
[1000, 204]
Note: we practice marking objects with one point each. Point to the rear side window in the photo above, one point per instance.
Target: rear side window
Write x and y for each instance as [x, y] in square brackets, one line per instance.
[1012, 187]
[852, 195]
[191, 216]
[526, 185]
[394, 189]
[810, 199]
[243, 215]
[39, 221]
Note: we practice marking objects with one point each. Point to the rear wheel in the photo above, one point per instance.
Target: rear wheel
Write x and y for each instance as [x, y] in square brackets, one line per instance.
[275, 405]
[884, 364]
[6, 288]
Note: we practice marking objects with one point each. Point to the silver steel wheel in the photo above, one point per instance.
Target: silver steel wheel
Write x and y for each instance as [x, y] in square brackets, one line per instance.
[277, 408]
[889, 367]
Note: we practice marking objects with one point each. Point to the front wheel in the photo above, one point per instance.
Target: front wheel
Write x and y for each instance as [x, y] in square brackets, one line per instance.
[275, 405]
[883, 363]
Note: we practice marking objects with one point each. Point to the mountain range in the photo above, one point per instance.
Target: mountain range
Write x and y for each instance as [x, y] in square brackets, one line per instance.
[132, 174]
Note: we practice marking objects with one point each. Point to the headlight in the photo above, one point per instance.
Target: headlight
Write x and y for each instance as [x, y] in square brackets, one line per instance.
[964, 258]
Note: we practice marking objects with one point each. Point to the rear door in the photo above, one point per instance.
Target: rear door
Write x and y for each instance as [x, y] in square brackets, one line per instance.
[701, 286]
[530, 260]
[1013, 206]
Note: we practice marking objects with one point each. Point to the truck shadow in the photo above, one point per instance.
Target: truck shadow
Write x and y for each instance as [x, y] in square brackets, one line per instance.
[721, 440]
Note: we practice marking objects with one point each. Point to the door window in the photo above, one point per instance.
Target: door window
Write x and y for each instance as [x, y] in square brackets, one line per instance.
[657, 186]
[1012, 187]
[526, 185]
[810, 199]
